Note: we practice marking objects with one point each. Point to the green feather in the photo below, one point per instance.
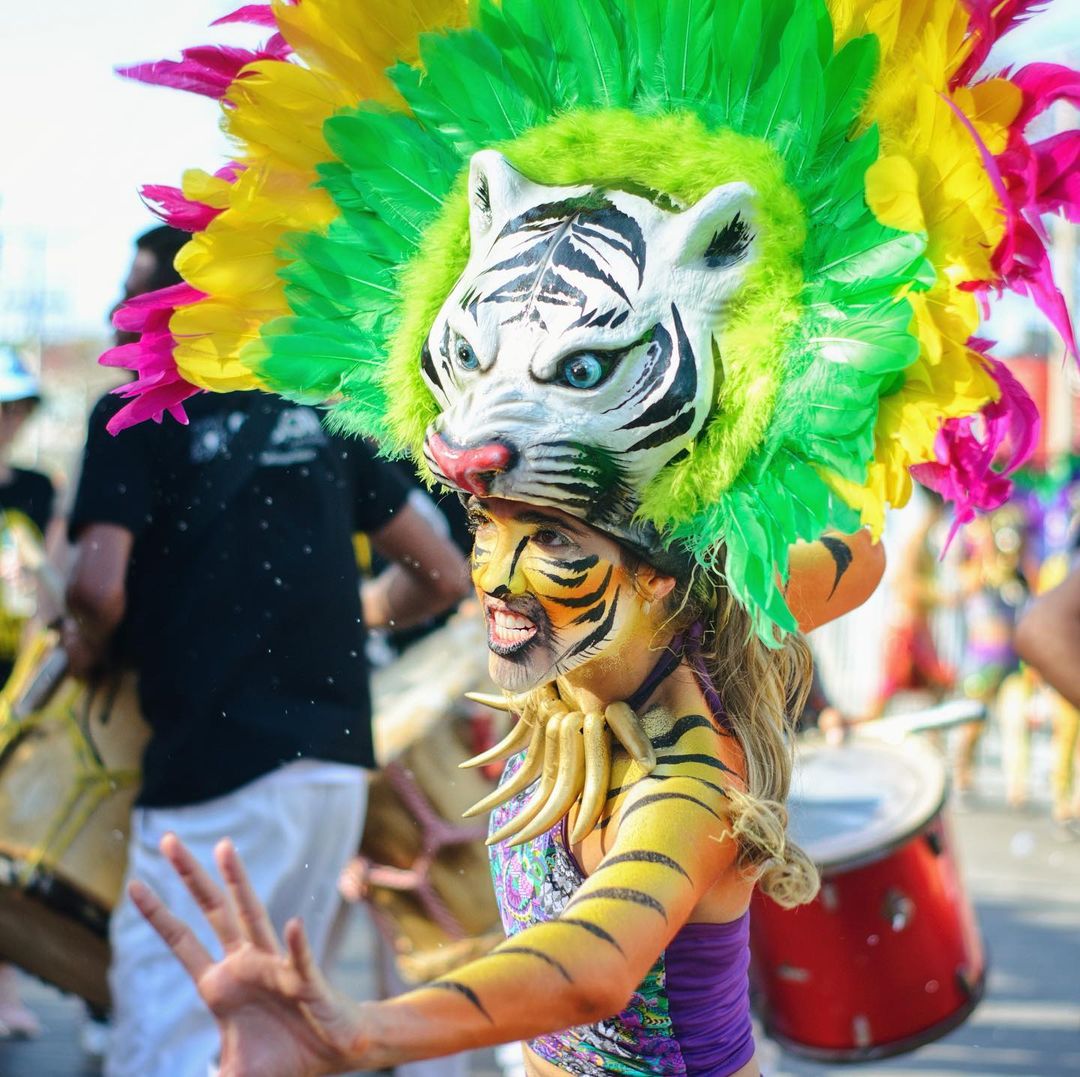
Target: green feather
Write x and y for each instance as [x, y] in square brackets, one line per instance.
[589, 37]
[735, 43]
[309, 359]
[408, 186]
[525, 48]
[848, 78]
[646, 20]
[788, 107]
[687, 48]
[877, 341]
[469, 88]
[871, 251]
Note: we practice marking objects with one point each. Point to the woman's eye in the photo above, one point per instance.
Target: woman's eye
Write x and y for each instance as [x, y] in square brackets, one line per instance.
[465, 356]
[547, 536]
[585, 370]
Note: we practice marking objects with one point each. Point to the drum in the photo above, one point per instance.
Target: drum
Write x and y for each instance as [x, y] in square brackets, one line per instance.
[68, 776]
[430, 885]
[888, 956]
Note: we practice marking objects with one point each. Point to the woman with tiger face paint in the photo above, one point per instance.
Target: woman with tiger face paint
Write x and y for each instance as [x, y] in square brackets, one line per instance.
[669, 326]
[627, 932]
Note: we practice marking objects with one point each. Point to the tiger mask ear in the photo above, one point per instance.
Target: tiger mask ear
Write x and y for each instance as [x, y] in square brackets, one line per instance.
[494, 186]
[716, 234]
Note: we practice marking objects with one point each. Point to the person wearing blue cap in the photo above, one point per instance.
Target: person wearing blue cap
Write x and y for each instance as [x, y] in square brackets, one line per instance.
[26, 505]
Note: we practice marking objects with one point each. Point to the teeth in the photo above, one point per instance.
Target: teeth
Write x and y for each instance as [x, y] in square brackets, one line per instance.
[511, 622]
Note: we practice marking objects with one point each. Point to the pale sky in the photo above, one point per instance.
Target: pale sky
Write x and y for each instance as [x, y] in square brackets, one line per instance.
[78, 141]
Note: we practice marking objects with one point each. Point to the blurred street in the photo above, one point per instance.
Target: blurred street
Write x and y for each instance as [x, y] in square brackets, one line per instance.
[1023, 874]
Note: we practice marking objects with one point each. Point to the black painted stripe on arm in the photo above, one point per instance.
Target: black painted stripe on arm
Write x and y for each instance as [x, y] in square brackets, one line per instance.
[654, 798]
[622, 893]
[644, 856]
[591, 928]
[530, 951]
[679, 730]
[464, 991]
[841, 555]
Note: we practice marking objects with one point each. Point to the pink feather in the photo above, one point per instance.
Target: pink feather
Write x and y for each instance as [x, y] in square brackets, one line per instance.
[208, 70]
[158, 386]
[991, 20]
[171, 205]
[1043, 84]
[1021, 261]
[976, 455]
[254, 14]
[175, 210]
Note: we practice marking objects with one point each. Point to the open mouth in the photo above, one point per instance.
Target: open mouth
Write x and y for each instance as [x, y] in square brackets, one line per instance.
[508, 630]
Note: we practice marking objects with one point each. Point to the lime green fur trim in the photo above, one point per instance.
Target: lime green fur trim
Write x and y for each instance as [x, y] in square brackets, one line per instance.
[678, 156]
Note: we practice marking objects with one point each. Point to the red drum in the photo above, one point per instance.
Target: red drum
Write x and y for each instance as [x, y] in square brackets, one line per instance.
[888, 956]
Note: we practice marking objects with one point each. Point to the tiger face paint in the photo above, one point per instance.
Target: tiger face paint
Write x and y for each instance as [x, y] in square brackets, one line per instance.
[555, 592]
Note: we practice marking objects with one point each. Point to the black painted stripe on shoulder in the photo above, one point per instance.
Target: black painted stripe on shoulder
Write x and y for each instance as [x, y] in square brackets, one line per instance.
[593, 929]
[531, 951]
[653, 798]
[465, 991]
[619, 790]
[621, 893]
[703, 760]
[679, 730]
[644, 856]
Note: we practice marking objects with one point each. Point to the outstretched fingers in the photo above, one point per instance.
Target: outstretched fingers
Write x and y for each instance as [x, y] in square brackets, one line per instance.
[215, 906]
[300, 952]
[174, 932]
[254, 919]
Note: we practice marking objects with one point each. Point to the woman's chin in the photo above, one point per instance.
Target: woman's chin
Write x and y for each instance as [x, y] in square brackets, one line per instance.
[517, 678]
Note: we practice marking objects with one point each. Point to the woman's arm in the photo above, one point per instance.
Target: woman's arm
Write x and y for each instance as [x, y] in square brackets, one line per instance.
[669, 851]
[832, 576]
[1048, 637]
[427, 574]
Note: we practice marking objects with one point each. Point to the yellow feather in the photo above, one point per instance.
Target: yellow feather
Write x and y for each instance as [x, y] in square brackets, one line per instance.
[357, 42]
[200, 186]
[892, 192]
[278, 111]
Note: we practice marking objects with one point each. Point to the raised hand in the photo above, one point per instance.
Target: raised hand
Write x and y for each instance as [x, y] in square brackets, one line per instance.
[277, 1014]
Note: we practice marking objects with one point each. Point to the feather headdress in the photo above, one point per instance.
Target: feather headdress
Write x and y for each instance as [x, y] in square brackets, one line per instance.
[896, 188]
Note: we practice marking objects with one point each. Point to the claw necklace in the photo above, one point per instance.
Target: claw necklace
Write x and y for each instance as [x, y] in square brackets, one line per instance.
[569, 751]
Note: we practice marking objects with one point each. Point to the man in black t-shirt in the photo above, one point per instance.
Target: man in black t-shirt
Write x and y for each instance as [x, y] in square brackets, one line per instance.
[216, 559]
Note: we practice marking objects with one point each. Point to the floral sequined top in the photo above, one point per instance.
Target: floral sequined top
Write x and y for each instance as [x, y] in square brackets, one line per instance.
[690, 1015]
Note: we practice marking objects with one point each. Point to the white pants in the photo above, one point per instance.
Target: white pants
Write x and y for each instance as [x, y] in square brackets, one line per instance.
[295, 829]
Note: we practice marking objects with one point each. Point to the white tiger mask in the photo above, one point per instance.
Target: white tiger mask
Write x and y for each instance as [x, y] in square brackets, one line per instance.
[575, 357]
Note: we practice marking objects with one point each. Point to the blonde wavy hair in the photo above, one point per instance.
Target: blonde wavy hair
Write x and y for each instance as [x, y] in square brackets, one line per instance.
[763, 690]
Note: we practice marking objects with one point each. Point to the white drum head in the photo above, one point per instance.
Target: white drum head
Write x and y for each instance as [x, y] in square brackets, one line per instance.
[856, 802]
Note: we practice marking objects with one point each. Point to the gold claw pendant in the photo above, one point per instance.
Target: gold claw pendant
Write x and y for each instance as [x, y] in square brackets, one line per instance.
[570, 752]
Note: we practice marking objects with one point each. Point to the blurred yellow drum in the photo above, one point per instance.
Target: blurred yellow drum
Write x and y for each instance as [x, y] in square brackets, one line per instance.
[429, 882]
[69, 773]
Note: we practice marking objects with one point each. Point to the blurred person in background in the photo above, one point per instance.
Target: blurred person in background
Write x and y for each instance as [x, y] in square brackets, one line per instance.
[1048, 638]
[912, 663]
[996, 588]
[26, 509]
[216, 560]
